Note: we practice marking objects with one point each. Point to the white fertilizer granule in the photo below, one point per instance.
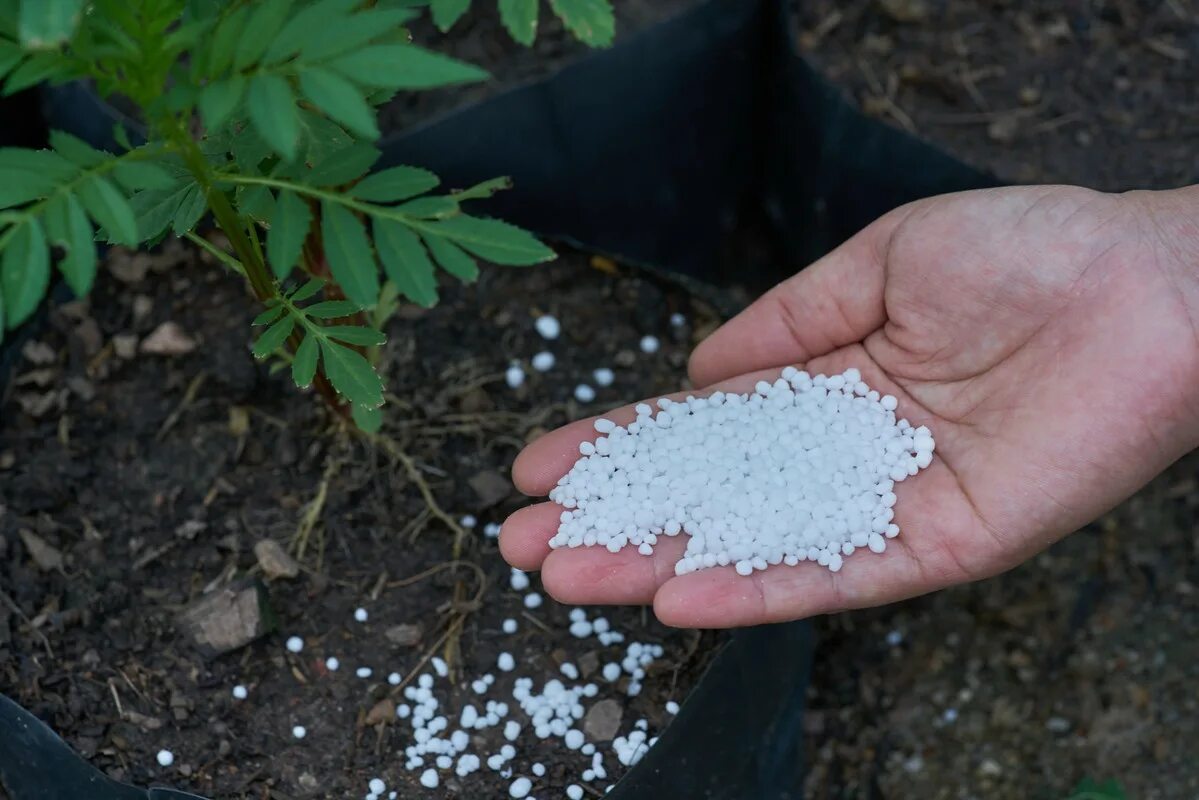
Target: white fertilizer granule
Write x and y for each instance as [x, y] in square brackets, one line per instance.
[802, 469]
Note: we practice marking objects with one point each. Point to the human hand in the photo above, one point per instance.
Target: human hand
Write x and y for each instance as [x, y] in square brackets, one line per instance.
[1049, 337]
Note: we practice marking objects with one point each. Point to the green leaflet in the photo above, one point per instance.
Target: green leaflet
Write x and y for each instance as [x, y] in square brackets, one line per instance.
[430, 207]
[351, 375]
[394, 184]
[68, 227]
[306, 25]
[29, 174]
[591, 21]
[108, 206]
[349, 253]
[303, 365]
[402, 66]
[352, 33]
[446, 12]
[343, 166]
[155, 209]
[225, 39]
[274, 337]
[492, 239]
[191, 208]
[340, 99]
[75, 150]
[24, 271]
[274, 310]
[307, 290]
[274, 113]
[355, 334]
[134, 175]
[331, 309]
[520, 18]
[219, 99]
[47, 23]
[405, 261]
[269, 16]
[289, 229]
[452, 259]
[368, 420]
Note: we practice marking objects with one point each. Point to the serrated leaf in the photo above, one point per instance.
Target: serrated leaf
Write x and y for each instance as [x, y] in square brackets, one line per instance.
[305, 25]
[368, 420]
[402, 66]
[496, 241]
[268, 19]
[109, 208]
[446, 12]
[520, 18]
[154, 209]
[289, 229]
[135, 175]
[351, 33]
[272, 313]
[331, 309]
[307, 290]
[43, 66]
[258, 202]
[29, 174]
[274, 114]
[405, 261]
[351, 375]
[430, 207]
[274, 337]
[24, 271]
[191, 208]
[394, 184]
[219, 99]
[481, 191]
[349, 254]
[344, 165]
[47, 23]
[76, 150]
[591, 21]
[225, 39]
[355, 334]
[340, 99]
[321, 137]
[68, 227]
[453, 259]
[303, 365]
[249, 149]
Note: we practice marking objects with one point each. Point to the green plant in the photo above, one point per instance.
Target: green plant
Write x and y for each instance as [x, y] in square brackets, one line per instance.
[261, 114]
[1088, 789]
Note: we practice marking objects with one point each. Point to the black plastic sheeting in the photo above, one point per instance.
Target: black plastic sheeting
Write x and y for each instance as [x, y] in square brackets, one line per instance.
[650, 151]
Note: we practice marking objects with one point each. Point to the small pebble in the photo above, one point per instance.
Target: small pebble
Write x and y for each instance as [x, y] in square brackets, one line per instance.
[520, 788]
[509, 625]
[429, 779]
[165, 758]
[299, 731]
[295, 644]
[574, 792]
[240, 692]
[377, 786]
[519, 581]
[364, 672]
[332, 664]
[439, 666]
[514, 376]
[538, 769]
[533, 600]
[395, 679]
[548, 326]
[603, 376]
[649, 344]
[360, 615]
[506, 662]
[672, 707]
[584, 393]
[543, 361]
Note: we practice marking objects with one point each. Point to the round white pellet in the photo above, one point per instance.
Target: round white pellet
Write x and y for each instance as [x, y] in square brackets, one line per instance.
[295, 644]
[603, 376]
[377, 786]
[240, 692]
[439, 666]
[649, 344]
[514, 376]
[672, 707]
[429, 779]
[520, 788]
[509, 625]
[364, 672]
[395, 679]
[299, 731]
[519, 581]
[533, 600]
[584, 393]
[165, 758]
[332, 664]
[360, 615]
[548, 326]
[468, 521]
[677, 320]
[543, 361]
[505, 662]
[538, 769]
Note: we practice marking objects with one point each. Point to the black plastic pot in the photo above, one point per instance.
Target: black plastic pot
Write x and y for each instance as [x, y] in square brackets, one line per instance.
[651, 151]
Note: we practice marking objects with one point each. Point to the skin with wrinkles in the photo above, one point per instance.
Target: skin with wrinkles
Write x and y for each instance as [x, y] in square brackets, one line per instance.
[1045, 334]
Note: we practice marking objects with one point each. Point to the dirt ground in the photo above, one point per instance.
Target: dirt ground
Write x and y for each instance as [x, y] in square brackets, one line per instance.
[1100, 93]
[147, 479]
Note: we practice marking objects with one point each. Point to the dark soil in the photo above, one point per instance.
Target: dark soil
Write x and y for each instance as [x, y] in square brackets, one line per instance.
[153, 477]
[1100, 93]
[481, 39]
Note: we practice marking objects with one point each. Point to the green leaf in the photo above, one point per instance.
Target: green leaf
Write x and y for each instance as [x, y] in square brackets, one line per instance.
[273, 312]
[29, 174]
[274, 114]
[268, 18]
[481, 191]
[289, 228]
[191, 208]
[352, 33]
[249, 149]
[258, 202]
[43, 66]
[47, 23]
[307, 24]
[307, 290]
[340, 99]
[355, 334]
[68, 227]
[274, 337]
[394, 184]
[134, 175]
[351, 375]
[108, 207]
[1088, 789]
[303, 365]
[76, 150]
[332, 309]
[225, 40]
[493, 240]
[520, 18]
[368, 420]
[219, 99]
[402, 66]
[430, 207]
[349, 254]
[24, 271]
[446, 12]
[344, 165]
[405, 261]
[154, 209]
[591, 21]
[453, 259]
[11, 54]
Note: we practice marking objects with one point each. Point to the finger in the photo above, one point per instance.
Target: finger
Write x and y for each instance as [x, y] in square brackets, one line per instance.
[525, 535]
[595, 576]
[539, 466]
[836, 301]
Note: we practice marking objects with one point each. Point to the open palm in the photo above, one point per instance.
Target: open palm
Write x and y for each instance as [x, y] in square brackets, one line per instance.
[1044, 334]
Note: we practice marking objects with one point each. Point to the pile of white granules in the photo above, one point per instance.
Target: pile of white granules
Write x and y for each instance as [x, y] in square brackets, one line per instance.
[802, 469]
